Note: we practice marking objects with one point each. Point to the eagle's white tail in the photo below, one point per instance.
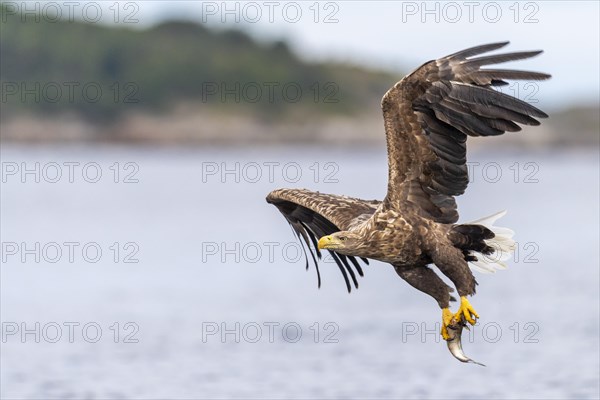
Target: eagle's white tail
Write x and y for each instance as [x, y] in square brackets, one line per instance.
[502, 243]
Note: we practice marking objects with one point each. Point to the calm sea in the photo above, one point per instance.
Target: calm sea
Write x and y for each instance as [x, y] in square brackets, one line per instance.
[153, 273]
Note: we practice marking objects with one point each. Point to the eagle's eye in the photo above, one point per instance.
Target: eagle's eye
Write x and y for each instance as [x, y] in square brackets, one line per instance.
[343, 238]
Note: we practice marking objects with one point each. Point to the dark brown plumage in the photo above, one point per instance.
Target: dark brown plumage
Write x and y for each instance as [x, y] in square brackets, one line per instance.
[428, 116]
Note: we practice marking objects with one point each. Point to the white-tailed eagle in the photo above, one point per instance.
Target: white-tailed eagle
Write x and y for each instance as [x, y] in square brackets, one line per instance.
[427, 116]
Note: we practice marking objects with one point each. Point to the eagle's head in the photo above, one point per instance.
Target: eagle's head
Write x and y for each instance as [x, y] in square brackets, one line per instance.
[343, 242]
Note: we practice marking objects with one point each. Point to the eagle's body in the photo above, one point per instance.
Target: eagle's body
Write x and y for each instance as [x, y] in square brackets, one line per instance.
[428, 116]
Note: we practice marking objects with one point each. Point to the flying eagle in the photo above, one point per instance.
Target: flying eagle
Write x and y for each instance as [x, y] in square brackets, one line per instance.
[427, 118]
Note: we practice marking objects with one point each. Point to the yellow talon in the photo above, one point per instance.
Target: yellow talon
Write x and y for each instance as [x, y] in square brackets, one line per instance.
[466, 311]
[446, 321]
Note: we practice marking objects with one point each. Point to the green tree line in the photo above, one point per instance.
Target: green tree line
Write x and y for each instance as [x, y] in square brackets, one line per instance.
[100, 71]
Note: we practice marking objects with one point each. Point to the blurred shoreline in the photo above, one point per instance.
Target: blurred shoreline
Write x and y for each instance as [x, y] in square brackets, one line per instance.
[181, 83]
[193, 125]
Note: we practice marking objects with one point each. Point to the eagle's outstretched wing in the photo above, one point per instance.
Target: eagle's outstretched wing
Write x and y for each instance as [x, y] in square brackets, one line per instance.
[313, 215]
[428, 116]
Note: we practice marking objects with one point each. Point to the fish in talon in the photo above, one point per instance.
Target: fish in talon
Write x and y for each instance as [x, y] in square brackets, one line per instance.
[454, 342]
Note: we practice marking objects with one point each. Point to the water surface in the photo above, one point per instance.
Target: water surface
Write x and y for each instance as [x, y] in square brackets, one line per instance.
[219, 304]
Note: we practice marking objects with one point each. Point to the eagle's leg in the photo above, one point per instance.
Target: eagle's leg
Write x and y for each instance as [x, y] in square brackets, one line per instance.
[451, 262]
[426, 280]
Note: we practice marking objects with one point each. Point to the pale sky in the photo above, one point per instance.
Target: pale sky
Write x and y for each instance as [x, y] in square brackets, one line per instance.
[402, 35]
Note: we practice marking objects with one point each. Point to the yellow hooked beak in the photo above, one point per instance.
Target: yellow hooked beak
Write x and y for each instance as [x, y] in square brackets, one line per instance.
[328, 242]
